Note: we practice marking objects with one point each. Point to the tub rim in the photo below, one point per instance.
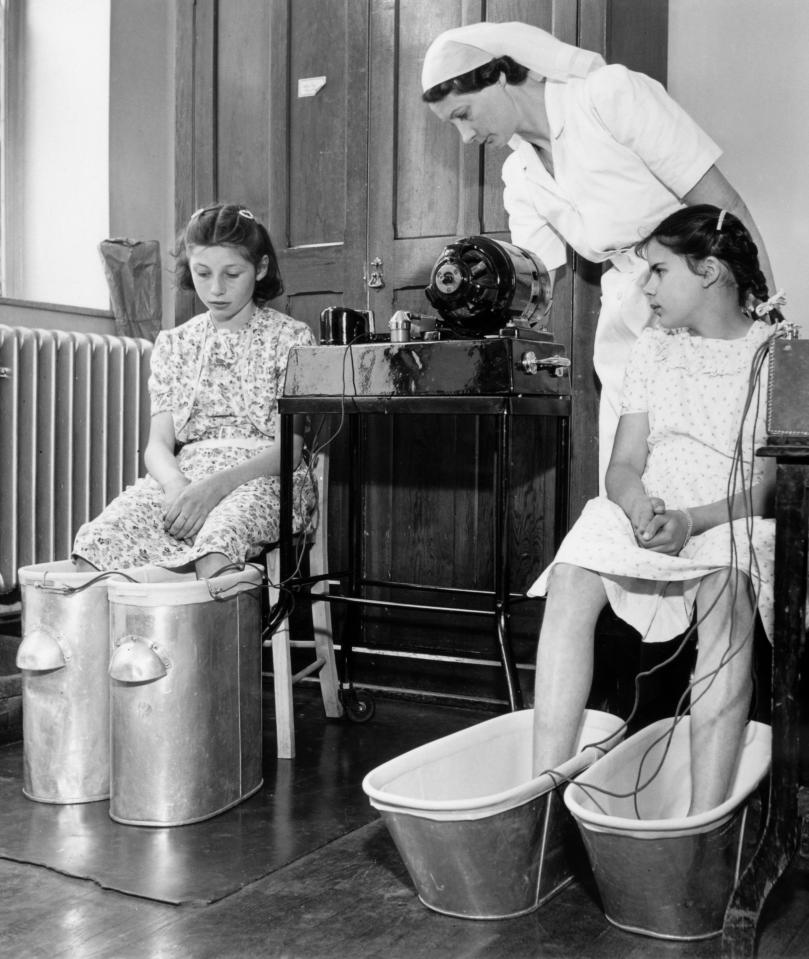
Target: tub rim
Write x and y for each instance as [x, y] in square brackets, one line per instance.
[760, 734]
[479, 807]
[62, 573]
[169, 588]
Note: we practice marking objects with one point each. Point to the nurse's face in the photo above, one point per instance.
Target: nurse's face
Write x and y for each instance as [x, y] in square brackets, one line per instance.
[486, 116]
[676, 294]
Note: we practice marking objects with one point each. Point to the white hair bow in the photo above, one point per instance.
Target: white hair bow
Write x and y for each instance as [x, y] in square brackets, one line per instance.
[777, 299]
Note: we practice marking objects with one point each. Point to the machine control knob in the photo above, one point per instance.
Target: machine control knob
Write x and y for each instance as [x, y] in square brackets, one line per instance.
[556, 365]
[529, 363]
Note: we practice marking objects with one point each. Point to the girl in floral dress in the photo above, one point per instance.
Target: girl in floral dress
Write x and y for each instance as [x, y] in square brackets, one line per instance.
[682, 525]
[211, 495]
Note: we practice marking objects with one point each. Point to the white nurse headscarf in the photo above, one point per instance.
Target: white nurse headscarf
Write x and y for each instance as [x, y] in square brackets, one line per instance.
[462, 49]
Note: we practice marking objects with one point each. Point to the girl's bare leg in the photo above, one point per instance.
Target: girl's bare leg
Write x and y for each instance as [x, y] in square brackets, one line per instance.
[564, 662]
[720, 703]
[210, 564]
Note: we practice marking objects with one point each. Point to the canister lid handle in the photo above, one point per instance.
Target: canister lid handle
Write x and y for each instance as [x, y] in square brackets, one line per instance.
[137, 660]
[41, 649]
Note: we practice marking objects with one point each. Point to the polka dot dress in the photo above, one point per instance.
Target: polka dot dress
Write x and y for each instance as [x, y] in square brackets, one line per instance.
[695, 391]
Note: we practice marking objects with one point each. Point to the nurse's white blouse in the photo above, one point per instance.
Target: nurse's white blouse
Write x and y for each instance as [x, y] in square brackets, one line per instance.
[624, 154]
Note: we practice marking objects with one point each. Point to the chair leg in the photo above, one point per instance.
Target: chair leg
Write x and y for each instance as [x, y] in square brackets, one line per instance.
[281, 668]
[324, 649]
[282, 684]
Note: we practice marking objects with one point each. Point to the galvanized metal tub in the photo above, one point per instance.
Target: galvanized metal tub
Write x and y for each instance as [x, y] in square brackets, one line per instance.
[480, 837]
[659, 871]
[185, 697]
[63, 658]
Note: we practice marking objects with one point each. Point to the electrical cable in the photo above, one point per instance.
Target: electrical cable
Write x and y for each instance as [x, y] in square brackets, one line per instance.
[66, 590]
[285, 605]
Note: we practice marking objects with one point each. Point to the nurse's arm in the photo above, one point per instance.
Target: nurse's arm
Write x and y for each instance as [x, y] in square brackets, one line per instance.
[714, 188]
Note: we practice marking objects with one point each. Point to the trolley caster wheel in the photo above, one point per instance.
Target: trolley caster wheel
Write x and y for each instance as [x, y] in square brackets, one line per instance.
[359, 706]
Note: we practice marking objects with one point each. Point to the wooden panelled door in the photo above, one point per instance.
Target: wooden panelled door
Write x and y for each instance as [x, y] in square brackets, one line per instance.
[311, 113]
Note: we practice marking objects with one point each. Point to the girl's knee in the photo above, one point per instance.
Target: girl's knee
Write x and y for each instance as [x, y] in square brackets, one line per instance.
[568, 578]
[729, 585]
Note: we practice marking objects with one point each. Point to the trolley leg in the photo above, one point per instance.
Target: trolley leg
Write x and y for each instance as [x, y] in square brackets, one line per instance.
[359, 705]
[502, 578]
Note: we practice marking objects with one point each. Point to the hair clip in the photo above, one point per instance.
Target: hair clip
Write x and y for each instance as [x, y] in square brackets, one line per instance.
[218, 206]
[205, 209]
[777, 299]
[720, 221]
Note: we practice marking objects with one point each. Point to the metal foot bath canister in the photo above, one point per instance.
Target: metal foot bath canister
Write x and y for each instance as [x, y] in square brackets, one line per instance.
[63, 657]
[185, 697]
[480, 837]
[659, 871]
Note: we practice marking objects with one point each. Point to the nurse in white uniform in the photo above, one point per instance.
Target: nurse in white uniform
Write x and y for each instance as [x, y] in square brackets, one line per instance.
[601, 155]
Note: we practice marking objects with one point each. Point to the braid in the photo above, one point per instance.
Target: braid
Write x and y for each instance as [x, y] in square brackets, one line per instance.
[735, 247]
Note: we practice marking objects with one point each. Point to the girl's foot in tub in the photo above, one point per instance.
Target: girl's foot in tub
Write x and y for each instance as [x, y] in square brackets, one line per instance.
[722, 686]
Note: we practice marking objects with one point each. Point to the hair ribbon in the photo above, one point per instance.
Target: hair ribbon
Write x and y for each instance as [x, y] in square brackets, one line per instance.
[777, 299]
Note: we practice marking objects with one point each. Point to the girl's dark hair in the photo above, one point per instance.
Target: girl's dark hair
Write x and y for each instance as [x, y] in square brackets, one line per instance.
[230, 224]
[694, 233]
[478, 78]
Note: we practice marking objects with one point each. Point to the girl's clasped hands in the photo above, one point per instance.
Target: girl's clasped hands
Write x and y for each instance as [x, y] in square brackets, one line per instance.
[655, 527]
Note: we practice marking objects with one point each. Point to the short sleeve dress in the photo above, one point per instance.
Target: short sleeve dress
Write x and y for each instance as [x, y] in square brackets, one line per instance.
[221, 388]
[696, 392]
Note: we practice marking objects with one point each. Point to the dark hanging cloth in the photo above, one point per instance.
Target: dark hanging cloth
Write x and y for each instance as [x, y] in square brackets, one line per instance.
[132, 268]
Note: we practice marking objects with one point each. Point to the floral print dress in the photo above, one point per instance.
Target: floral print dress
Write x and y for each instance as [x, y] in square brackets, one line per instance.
[221, 388]
[695, 392]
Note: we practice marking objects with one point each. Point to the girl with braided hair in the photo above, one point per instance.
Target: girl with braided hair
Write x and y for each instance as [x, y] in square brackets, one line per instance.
[683, 525]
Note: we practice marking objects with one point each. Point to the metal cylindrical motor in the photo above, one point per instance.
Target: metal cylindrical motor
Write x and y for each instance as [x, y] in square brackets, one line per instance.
[478, 285]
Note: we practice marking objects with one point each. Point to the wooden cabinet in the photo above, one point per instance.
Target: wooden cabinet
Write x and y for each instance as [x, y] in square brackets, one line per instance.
[310, 113]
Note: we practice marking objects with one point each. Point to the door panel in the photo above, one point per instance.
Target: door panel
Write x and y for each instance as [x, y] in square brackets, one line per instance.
[317, 152]
[317, 147]
[424, 194]
[243, 135]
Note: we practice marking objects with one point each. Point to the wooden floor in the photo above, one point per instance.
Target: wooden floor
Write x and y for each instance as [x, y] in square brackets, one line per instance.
[350, 896]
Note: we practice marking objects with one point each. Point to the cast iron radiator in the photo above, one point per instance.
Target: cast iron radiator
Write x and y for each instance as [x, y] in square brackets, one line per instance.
[74, 416]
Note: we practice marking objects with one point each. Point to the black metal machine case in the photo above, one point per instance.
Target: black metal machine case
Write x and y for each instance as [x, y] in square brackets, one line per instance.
[489, 366]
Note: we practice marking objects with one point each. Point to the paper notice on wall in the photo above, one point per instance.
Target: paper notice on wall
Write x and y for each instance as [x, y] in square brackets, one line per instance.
[309, 86]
